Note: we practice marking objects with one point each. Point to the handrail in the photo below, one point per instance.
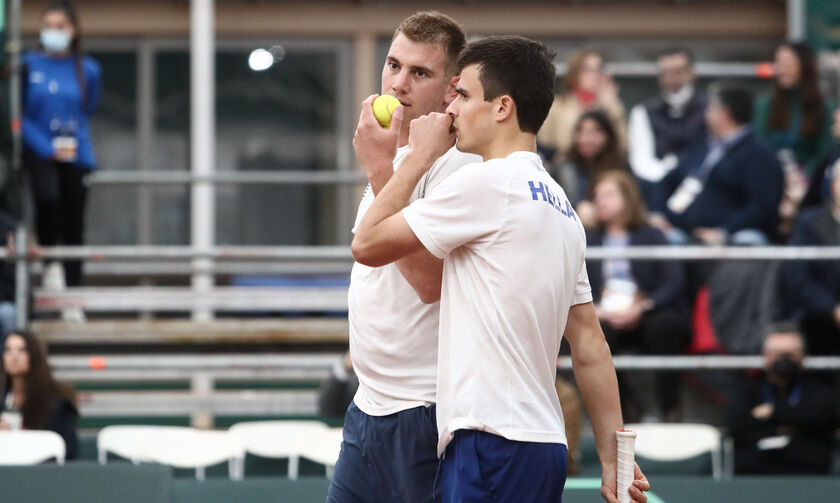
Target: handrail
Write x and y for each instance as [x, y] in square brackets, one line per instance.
[132, 177]
[316, 253]
[258, 363]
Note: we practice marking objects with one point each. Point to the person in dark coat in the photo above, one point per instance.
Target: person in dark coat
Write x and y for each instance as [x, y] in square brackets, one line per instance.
[639, 303]
[783, 420]
[31, 398]
[729, 188]
[812, 288]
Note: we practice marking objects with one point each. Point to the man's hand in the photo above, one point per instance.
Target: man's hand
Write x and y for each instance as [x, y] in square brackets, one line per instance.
[628, 319]
[710, 236]
[660, 222]
[376, 146]
[763, 411]
[609, 484]
[431, 136]
[837, 315]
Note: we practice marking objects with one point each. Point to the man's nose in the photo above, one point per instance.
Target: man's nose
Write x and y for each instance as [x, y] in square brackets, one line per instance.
[401, 82]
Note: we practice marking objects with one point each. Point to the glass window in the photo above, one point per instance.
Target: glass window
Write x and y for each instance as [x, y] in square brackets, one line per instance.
[114, 133]
[284, 118]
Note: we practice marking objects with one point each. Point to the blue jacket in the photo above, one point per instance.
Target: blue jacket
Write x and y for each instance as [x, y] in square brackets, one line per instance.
[53, 104]
[659, 280]
[743, 189]
[813, 286]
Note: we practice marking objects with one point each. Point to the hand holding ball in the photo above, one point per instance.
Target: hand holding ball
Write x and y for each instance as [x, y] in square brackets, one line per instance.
[383, 108]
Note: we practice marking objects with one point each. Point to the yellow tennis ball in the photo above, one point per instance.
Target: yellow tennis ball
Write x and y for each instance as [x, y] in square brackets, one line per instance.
[383, 107]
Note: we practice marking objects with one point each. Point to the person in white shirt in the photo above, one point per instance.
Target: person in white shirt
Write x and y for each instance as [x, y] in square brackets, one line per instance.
[514, 282]
[390, 434]
[663, 127]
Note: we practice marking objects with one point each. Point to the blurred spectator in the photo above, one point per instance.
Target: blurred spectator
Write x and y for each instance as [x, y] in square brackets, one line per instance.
[794, 116]
[8, 312]
[819, 190]
[338, 390]
[594, 151]
[813, 286]
[570, 404]
[795, 120]
[726, 189]
[586, 87]
[783, 420]
[32, 399]
[662, 127]
[639, 303]
[60, 92]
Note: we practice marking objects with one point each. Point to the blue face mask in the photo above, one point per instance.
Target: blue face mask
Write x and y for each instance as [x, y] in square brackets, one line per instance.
[55, 40]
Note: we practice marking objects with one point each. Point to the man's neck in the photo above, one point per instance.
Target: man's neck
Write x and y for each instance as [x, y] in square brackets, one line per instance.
[505, 144]
[730, 131]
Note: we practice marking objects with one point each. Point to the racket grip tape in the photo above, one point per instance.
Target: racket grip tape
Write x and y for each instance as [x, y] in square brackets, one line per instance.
[626, 464]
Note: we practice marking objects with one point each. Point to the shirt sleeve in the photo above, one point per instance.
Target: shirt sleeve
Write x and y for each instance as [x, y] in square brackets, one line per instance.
[642, 147]
[93, 82]
[466, 207]
[583, 292]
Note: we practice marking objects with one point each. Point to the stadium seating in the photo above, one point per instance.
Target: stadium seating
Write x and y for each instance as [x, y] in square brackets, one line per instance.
[29, 447]
[278, 439]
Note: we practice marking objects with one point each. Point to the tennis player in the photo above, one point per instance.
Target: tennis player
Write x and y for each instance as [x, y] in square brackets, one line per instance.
[390, 435]
[514, 282]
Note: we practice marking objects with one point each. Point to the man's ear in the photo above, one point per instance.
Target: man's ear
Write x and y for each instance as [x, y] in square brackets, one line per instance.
[505, 108]
[451, 94]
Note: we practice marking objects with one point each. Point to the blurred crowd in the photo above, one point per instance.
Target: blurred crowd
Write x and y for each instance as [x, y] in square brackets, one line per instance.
[720, 167]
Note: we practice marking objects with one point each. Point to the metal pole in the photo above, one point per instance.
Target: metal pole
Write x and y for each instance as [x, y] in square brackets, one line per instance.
[796, 19]
[21, 235]
[203, 116]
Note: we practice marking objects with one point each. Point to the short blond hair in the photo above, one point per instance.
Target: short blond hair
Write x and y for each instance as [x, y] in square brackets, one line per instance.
[433, 27]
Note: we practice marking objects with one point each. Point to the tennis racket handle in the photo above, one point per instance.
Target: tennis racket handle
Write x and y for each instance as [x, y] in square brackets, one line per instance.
[626, 463]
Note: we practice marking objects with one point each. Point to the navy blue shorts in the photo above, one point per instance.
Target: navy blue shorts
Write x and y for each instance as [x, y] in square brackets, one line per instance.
[387, 459]
[483, 467]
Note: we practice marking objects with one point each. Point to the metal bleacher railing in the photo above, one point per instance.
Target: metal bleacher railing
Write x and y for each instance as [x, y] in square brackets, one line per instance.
[203, 372]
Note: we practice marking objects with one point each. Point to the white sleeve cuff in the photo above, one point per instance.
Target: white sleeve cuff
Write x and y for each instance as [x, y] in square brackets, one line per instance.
[415, 222]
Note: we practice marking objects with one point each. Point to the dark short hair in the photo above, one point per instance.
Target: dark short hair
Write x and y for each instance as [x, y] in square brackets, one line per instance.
[518, 67]
[677, 51]
[432, 27]
[736, 98]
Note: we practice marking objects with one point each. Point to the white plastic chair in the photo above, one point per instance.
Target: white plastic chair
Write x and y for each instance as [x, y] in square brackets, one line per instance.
[128, 441]
[276, 439]
[678, 441]
[29, 447]
[194, 448]
[180, 447]
[322, 447]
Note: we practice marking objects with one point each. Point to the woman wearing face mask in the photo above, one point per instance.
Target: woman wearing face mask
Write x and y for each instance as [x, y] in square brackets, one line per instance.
[60, 93]
[29, 396]
[795, 120]
[587, 86]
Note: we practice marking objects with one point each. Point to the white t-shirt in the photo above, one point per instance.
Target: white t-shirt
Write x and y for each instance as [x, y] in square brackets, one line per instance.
[513, 252]
[393, 335]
